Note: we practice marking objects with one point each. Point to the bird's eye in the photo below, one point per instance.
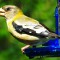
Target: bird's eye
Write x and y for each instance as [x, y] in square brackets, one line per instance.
[7, 9]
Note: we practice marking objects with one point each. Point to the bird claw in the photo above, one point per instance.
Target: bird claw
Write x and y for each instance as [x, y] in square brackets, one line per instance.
[24, 48]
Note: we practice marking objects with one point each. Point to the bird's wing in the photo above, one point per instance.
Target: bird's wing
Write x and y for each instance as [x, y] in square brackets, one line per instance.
[34, 30]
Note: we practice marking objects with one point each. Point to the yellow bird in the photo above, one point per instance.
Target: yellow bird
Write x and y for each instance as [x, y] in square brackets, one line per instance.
[26, 29]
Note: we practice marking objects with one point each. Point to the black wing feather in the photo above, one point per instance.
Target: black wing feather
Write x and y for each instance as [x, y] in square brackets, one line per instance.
[20, 29]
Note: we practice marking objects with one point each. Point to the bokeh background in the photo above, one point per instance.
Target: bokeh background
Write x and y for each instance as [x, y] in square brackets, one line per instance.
[42, 10]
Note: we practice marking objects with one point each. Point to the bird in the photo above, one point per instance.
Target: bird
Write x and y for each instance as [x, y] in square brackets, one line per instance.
[27, 30]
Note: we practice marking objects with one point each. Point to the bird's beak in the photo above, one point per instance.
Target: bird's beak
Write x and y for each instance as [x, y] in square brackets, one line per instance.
[2, 12]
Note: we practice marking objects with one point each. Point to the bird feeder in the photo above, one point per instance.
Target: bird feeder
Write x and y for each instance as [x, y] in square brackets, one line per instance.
[52, 47]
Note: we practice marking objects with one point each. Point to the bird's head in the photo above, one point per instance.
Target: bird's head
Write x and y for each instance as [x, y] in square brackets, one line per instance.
[9, 11]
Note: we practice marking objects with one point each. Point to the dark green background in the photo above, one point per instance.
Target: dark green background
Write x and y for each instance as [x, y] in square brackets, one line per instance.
[42, 10]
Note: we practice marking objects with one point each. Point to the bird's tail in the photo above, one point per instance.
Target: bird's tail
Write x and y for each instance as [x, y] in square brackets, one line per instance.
[53, 35]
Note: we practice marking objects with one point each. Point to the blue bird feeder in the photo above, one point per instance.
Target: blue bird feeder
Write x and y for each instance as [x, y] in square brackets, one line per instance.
[52, 47]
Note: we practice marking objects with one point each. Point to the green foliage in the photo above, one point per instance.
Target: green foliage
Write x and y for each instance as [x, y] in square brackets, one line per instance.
[42, 10]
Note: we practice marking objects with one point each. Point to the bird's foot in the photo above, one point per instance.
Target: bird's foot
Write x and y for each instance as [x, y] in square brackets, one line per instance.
[24, 48]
